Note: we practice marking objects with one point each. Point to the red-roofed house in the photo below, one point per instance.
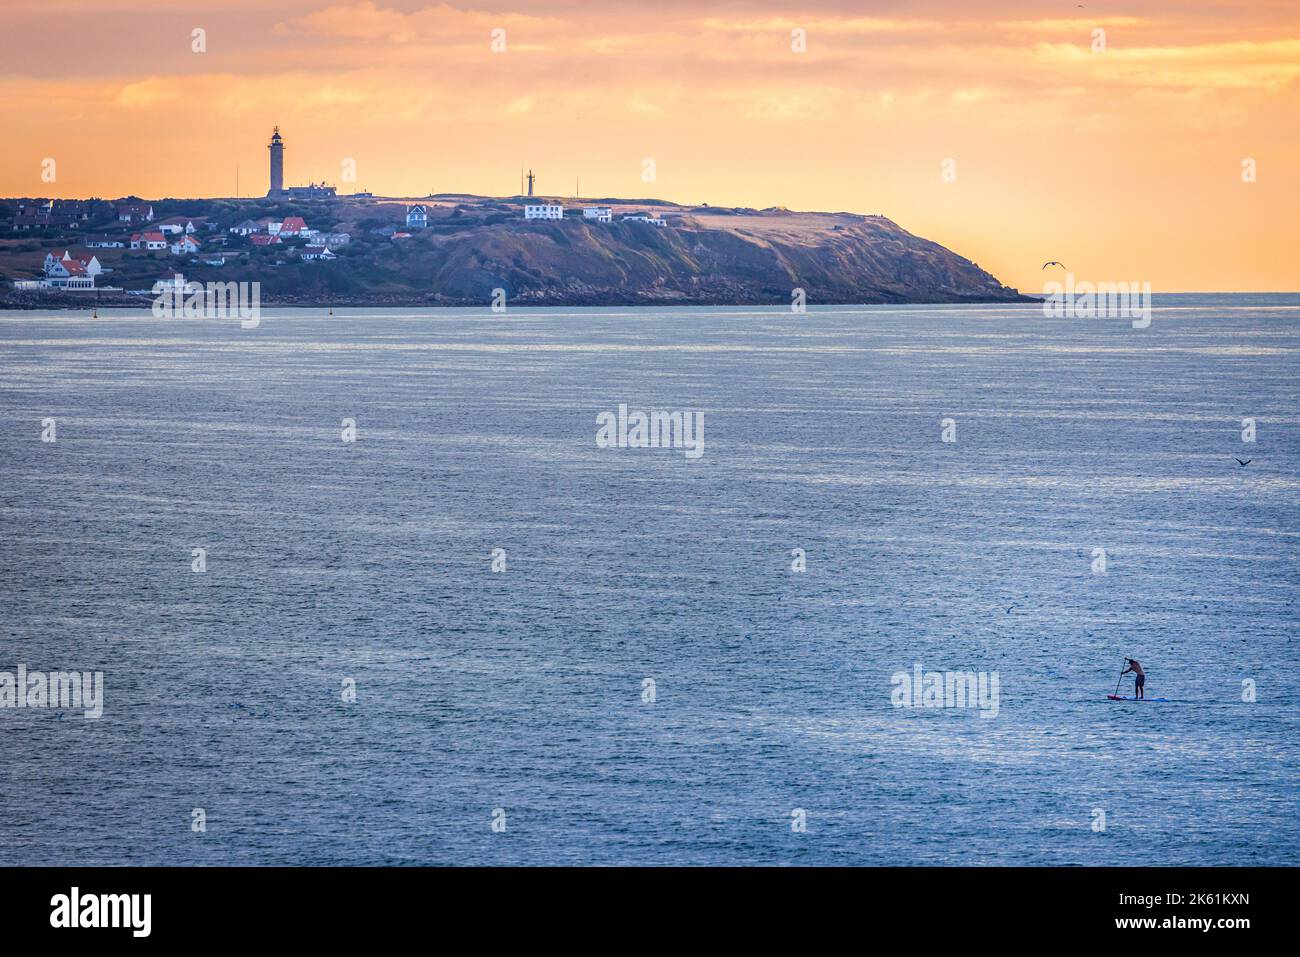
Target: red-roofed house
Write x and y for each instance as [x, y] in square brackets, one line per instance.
[263, 239]
[69, 273]
[150, 240]
[292, 226]
[184, 245]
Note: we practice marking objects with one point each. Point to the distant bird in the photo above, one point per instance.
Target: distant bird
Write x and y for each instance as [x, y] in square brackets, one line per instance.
[1009, 609]
[1055, 263]
[1245, 463]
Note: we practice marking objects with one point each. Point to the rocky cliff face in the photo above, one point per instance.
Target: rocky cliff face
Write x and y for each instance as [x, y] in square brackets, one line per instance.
[713, 258]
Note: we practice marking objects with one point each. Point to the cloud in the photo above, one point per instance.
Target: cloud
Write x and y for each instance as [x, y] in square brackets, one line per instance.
[148, 93]
[367, 21]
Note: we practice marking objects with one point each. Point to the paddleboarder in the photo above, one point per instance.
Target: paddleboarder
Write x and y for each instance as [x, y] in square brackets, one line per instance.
[1139, 676]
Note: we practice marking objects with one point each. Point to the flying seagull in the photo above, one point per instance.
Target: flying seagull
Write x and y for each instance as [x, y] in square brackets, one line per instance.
[1245, 463]
[1055, 263]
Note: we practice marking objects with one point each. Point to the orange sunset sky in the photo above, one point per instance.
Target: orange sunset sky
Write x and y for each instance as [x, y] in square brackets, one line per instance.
[1125, 164]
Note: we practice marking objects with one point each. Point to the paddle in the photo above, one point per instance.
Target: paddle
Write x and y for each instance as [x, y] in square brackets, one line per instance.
[1120, 678]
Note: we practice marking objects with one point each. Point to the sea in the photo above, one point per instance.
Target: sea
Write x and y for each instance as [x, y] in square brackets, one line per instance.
[369, 588]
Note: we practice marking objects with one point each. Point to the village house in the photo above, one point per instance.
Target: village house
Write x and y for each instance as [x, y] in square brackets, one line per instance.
[76, 208]
[290, 226]
[134, 213]
[335, 239]
[643, 218]
[310, 253]
[153, 240]
[32, 220]
[263, 239]
[184, 246]
[49, 214]
[417, 217]
[180, 224]
[104, 241]
[71, 273]
[601, 214]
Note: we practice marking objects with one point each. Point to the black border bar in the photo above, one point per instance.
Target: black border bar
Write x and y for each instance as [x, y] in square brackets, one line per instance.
[961, 905]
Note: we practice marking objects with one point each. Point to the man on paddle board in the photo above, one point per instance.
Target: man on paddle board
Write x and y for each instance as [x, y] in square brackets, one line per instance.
[1140, 677]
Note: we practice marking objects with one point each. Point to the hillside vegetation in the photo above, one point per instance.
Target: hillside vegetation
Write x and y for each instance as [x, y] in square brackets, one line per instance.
[474, 245]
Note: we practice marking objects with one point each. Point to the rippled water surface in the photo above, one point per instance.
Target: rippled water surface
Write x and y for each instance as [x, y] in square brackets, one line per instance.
[523, 690]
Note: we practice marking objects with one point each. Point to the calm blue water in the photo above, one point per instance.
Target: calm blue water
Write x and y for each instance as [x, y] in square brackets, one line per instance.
[522, 690]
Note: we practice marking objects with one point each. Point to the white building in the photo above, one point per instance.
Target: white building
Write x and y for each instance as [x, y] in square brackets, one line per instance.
[643, 218]
[417, 217]
[543, 211]
[150, 240]
[178, 224]
[67, 266]
[601, 214]
[69, 273]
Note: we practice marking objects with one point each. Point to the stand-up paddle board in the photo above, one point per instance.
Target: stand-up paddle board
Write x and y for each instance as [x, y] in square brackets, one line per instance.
[1124, 697]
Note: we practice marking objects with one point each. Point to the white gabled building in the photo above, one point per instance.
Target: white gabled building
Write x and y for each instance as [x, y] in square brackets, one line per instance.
[417, 217]
[601, 214]
[543, 211]
[176, 225]
[69, 273]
